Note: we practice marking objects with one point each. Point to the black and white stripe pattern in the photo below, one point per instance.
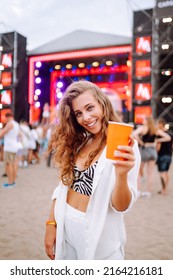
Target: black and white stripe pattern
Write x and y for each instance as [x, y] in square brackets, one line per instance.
[83, 182]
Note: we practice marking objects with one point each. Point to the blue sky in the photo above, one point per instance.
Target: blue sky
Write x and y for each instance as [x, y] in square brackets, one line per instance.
[44, 20]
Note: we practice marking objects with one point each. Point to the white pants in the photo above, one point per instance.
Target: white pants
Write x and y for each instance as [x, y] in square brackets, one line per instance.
[75, 236]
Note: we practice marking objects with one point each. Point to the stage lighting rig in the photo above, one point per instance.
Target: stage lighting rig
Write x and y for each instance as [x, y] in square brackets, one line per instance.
[165, 46]
[167, 20]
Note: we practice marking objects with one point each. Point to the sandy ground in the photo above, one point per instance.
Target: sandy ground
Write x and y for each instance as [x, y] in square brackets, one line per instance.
[24, 210]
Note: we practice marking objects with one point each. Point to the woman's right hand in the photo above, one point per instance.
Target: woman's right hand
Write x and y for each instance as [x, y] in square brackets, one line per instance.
[50, 238]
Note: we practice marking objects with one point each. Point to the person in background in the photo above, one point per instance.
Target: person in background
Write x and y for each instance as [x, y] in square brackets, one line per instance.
[46, 114]
[146, 136]
[164, 150]
[33, 146]
[1, 149]
[25, 138]
[93, 193]
[4, 174]
[44, 140]
[39, 130]
[48, 136]
[10, 133]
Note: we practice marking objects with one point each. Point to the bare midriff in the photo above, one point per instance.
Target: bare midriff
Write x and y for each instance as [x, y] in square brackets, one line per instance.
[77, 200]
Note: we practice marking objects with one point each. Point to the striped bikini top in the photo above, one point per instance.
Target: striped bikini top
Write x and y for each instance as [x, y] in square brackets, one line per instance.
[83, 181]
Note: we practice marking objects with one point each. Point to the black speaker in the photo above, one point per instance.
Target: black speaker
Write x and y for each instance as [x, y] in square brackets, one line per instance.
[13, 58]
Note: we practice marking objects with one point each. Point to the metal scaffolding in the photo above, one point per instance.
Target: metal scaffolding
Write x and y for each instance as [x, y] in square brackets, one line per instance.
[161, 59]
[162, 72]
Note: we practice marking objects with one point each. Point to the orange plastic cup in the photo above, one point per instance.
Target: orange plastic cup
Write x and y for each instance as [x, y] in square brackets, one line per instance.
[118, 135]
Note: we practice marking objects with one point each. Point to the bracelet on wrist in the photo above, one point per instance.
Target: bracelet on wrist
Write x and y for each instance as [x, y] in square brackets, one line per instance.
[52, 223]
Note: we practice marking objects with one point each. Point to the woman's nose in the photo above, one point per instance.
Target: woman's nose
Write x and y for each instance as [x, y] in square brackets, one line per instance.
[86, 116]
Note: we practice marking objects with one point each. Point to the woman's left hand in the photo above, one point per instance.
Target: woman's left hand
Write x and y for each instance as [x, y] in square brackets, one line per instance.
[125, 158]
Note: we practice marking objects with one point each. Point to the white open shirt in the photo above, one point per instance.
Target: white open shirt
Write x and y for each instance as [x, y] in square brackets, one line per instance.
[105, 231]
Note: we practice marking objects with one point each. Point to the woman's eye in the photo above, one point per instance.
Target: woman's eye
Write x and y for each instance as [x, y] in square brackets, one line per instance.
[78, 114]
[90, 108]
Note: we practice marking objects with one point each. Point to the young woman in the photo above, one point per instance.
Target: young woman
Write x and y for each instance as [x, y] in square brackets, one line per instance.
[146, 136]
[86, 218]
[164, 159]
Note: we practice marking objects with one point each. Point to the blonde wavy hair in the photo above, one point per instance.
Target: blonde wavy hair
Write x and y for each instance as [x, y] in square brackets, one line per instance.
[151, 125]
[69, 136]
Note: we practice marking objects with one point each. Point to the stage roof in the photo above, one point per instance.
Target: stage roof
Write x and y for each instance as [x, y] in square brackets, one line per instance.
[81, 39]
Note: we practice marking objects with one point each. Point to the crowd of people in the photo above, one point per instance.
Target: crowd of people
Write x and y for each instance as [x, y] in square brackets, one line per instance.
[21, 144]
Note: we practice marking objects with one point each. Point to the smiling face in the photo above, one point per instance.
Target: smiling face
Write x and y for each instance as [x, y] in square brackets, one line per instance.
[88, 112]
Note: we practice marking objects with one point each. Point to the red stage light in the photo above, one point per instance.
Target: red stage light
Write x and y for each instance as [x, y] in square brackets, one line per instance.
[143, 91]
[143, 44]
[6, 97]
[6, 78]
[7, 60]
[141, 112]
[143, 68]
